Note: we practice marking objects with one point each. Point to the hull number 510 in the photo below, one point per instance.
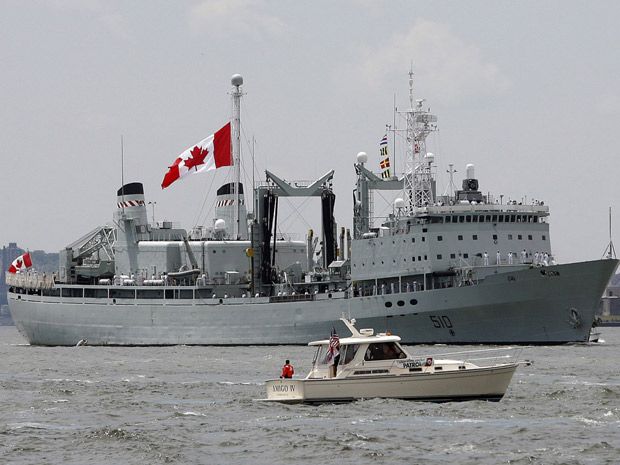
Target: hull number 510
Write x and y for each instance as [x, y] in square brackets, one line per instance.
[441, 321]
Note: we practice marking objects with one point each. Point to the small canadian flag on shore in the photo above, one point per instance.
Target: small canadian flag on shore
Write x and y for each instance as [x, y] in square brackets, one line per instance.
[208, 154]
[21, 263]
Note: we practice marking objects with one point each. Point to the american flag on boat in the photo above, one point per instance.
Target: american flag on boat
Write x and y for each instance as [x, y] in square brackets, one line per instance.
[334, 346]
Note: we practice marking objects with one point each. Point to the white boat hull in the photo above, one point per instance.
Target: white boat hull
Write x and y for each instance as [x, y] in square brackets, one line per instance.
[475, 383]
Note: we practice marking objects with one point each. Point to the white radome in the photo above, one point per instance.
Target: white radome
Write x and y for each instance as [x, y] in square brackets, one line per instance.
[236, 80]
[362, 157]
[220, 225]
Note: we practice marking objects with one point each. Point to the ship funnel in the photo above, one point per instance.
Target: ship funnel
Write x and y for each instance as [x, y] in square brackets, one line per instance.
[225, 208]
[130, 204]
[133, 226]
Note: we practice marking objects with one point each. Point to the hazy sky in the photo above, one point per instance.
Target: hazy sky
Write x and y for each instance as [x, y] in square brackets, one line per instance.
[528, 91]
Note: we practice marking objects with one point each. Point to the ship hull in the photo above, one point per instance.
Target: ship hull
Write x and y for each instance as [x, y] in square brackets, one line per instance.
[540, 305]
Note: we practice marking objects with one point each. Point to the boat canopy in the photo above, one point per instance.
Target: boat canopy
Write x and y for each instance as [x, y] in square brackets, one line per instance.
[359, 340]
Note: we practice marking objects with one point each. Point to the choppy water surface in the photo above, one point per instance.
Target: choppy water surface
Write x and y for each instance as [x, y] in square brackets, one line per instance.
[102, 405]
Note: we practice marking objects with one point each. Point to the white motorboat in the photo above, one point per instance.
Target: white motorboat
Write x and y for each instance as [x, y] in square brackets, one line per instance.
[376, 365]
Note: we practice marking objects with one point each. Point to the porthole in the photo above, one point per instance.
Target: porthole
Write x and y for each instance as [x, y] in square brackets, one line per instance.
[413, 302]
[388, 304]
[400, 303]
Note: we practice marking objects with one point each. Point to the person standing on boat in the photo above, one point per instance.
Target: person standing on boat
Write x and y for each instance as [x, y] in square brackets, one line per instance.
[486, 259]
[287, 370]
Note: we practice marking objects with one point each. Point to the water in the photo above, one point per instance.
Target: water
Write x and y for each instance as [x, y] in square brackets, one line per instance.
[184, 405]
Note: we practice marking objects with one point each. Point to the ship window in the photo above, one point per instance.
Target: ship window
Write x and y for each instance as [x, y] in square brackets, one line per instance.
[169, 293]
[465, 255]
[214, 251]
[494, 237]
[438, 256]
[400, 303]
[204, 293]
[474, 218]
[413, 302]
[424, 230]
[494, 218]
[481, 219]
[474, 237]
[123, 293]
[448, 219]
[501, 218]
[413, 259]
[520, 237]
[461, 219]
[529, 237]
[460, 237]
[413, 239]
[150, 294]
[96, 293]
[384, 351]
[512, 218]
[349, 352]
[439, 238]
[509, 237]
[535, 219]
[388, 304]
[423, 239]
[452, 255]
[425, 257]
[186, 294]
[419, 258]
[468, 219]
[488, 217]
[544, 238]
[71, 292]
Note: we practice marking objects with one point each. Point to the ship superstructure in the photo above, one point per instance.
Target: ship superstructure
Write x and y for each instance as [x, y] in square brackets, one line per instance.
[455, 268]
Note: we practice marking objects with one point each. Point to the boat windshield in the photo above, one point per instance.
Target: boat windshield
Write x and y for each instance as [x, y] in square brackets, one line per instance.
[384, 351]
[347, 353]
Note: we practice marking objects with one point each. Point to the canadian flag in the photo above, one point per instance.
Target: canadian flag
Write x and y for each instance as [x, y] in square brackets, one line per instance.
[208, 154]
[21, 263]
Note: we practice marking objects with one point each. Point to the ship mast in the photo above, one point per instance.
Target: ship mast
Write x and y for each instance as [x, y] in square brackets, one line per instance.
[418, 179]
[237, 82]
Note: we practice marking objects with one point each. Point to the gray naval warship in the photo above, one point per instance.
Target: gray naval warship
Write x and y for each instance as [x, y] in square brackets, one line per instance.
[461, 268]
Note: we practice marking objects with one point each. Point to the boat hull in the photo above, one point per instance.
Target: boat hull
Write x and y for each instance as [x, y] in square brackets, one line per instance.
[472, 384]
[549, 305]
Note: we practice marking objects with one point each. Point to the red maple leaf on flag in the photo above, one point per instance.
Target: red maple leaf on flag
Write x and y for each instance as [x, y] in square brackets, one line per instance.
[198, 155]
[18, 264]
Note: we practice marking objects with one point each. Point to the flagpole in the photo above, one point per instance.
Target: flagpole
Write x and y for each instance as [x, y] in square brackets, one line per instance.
[237, 81]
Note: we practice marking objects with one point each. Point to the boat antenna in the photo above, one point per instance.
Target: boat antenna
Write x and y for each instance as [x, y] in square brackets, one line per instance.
[237, 82]
[122, 169]
[610, 251]
[394, 137]
[253, 170]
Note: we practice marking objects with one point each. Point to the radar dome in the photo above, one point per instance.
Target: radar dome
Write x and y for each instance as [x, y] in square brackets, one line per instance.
[236, 80]
[220, 225]
[429, 157]
[362, 157]
[469, 169]
[399, 203]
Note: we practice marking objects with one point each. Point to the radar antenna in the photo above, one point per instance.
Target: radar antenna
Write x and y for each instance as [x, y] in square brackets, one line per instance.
[418, 180]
